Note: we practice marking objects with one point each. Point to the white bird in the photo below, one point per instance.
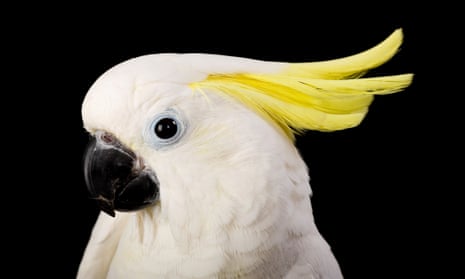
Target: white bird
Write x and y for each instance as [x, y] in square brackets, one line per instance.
[194, 164]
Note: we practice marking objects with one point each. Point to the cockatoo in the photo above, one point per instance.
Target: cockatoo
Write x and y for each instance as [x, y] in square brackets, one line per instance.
[193, 162]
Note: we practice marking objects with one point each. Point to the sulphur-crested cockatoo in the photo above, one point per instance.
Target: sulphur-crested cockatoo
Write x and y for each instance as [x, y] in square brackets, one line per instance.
[194, 165]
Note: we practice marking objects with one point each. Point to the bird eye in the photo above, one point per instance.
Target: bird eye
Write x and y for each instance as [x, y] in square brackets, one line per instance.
[165, 129]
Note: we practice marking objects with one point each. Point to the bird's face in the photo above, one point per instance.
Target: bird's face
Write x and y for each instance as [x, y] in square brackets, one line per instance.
[153, 139]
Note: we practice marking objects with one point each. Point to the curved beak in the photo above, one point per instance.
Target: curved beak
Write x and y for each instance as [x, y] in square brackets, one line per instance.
[116, 177]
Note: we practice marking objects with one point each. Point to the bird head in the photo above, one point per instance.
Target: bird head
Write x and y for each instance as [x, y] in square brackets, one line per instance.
[175, 129]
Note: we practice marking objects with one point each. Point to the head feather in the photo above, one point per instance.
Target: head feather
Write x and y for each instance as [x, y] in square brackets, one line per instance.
[325, 96]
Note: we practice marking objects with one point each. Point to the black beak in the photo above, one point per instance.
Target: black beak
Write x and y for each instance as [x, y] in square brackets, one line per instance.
[116, 177]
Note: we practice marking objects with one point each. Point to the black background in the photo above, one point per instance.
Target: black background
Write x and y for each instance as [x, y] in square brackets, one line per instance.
[371, 192]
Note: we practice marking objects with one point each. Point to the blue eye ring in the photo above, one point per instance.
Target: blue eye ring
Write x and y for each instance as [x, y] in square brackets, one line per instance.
[165, 129]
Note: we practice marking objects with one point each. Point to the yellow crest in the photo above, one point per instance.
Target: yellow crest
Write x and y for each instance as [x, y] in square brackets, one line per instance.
[325, 96]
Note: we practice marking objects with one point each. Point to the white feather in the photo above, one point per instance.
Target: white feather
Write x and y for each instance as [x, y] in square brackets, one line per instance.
[102, 246]
[234, 191]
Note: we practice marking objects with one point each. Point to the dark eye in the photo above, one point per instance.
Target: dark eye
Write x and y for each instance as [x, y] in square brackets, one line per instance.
[166, 128]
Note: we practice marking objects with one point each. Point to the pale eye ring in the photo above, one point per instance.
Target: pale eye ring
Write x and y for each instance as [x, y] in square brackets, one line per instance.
[165, 129]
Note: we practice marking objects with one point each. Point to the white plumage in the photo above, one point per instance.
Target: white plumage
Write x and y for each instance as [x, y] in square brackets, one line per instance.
[234, 191]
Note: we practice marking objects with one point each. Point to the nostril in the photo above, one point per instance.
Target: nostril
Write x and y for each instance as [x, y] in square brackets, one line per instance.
[107, 138]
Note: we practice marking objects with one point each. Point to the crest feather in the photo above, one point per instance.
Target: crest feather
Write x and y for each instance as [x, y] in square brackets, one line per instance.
[324, 96]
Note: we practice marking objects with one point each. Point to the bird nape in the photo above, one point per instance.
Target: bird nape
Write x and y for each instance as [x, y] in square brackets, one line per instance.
[194, 166]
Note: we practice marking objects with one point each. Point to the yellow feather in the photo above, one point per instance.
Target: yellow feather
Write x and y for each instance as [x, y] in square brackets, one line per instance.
[325, 96]
[352, 66]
